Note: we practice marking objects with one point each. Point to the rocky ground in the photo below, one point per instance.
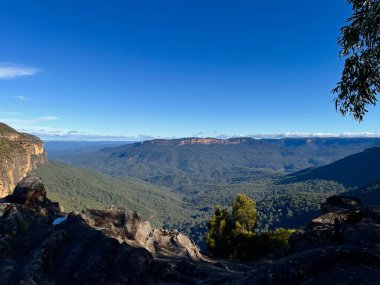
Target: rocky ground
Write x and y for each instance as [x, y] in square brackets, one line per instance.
[342, 246]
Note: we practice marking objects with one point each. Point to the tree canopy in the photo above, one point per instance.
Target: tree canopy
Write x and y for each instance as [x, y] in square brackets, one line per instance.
[244, 214]
[232, 235]
[360, 47]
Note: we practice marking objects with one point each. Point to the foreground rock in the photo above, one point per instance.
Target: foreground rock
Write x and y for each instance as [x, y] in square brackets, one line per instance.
[94, 247]
[342, 246]
[128, 227]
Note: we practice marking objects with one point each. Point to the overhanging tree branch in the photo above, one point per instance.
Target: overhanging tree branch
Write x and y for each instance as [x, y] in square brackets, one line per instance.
[360, 47]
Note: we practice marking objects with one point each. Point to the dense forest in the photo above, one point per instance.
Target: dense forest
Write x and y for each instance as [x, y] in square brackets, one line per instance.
[189, 207]
[77, 189]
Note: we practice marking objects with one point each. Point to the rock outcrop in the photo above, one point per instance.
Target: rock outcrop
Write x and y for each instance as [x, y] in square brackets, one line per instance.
[93, 247]
[128, 227]
[342, 246]
[19, 154]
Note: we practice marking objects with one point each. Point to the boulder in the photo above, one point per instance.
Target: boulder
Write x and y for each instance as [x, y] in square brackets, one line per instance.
[35, 251]
[30, 196]
[340, 202]
[128, 227]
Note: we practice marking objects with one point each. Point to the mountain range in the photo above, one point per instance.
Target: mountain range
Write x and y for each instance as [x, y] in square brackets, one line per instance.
[183, 160]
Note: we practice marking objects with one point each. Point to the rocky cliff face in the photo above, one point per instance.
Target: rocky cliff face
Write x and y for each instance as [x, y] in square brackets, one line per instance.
[19, 154]
[201, 141]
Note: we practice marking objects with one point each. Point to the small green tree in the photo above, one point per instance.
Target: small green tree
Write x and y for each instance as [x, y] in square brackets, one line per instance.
[244, 215]
[225, 229]
[219, 230]
[231, 235]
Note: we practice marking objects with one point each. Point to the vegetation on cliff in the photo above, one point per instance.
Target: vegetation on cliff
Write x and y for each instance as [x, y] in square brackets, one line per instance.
[77, 189]
[5, 129]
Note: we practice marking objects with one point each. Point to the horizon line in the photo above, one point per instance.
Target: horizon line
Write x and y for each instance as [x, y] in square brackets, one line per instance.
[274, 136]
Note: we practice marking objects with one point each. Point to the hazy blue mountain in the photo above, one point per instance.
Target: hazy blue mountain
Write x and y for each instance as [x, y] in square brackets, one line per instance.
[357, 170]
[60, 149]
[174, 162]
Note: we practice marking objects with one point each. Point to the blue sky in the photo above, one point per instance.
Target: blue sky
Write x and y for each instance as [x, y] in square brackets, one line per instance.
[141, 69]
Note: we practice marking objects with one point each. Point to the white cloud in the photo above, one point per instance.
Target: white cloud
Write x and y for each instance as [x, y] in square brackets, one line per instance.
[36, 126]
[11, 71]
[51, 134]
[30, 125]
[21, 98]
[46, 118]
[299, 135]
[39, 126]
[316, 135]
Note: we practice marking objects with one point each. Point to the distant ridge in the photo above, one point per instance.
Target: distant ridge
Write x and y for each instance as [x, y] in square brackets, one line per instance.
[285, 142]
[357, 170]
[196, 140]
[211, 158]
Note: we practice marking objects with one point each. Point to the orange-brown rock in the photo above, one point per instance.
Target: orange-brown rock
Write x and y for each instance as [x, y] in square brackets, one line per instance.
[19, 154]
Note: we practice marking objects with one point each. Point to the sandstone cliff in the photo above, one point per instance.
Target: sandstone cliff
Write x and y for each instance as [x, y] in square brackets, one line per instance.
[19, 154]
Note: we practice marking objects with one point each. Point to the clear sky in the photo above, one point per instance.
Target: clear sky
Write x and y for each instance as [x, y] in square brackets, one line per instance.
[172, 68]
